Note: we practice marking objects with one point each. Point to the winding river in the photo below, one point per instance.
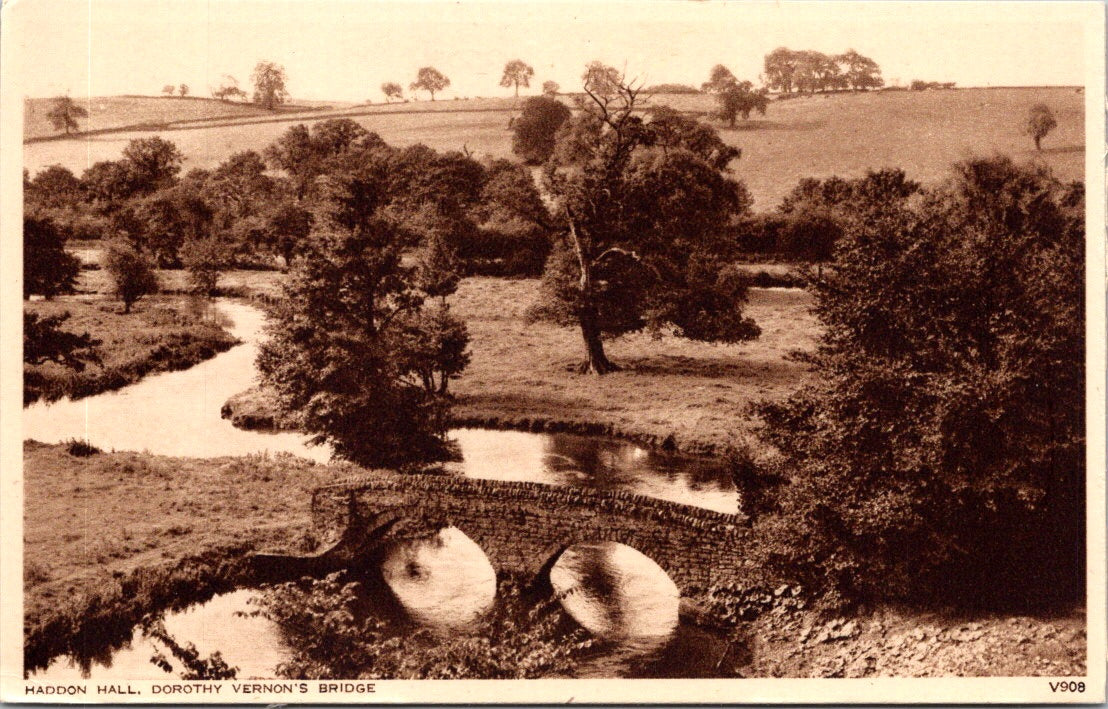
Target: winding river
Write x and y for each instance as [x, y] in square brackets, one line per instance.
[178, 413]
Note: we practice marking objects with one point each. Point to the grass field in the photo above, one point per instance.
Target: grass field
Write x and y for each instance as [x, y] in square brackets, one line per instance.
[118, 112]
[923, 132]
[160, 334]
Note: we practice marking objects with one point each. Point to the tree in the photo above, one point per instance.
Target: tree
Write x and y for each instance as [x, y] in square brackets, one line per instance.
[205, 258]
[1040, 121]
[336, 354]
[739, 99]
[642, 208]
[183, 90]
[719, 80]
[153, 163]
[168, 89]
[861, 72]
[64, 114]
[54, 187]
[229, 89]
[940, 454]
[780, 69]
[533, 132]
[131, 271]
[108, 183]
[431, 80]
[269, 85]
[48, 269]
[392, 90]
[517, 73]
[550, 88]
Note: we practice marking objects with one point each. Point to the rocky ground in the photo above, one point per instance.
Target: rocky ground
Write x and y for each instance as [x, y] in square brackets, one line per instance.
[901, 643]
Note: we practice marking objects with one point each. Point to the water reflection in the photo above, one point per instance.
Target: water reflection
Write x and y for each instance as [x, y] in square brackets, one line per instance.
[445, 581]
[224, 623]
[596, 462]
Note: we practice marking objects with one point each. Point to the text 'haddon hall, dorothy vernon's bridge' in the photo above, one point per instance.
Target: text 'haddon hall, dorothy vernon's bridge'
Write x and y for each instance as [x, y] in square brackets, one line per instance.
[522, 526]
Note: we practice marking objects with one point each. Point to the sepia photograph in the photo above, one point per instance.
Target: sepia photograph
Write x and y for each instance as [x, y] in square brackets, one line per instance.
[553, 345]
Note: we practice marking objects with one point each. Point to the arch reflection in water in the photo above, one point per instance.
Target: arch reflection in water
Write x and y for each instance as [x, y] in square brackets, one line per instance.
[616, 592]
[445, 581]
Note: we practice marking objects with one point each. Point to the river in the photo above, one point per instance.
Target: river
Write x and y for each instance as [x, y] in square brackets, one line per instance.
[178, 413]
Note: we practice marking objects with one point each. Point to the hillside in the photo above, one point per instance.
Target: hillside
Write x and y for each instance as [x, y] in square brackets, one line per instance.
[922, 132]
[118, 112]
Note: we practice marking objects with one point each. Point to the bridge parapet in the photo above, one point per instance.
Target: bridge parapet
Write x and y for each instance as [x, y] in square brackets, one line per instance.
[522, 526]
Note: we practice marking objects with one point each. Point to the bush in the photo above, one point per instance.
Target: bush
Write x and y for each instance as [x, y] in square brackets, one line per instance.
[940, 455]
[80, 449]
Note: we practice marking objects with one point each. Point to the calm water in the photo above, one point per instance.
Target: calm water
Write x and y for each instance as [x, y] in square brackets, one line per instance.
[177, 413]
[612, 590]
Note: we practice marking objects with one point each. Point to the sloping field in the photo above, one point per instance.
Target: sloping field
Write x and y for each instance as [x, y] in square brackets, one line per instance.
[845, 134]
[117, 112]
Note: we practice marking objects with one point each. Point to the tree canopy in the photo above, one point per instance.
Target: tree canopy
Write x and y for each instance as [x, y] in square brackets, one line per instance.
[940, 453]
[517, 73]
[392, 90]
[642, 203]
[533, 132]
[1040, 121]
[269, 85]
[431, 80]
[64, 114]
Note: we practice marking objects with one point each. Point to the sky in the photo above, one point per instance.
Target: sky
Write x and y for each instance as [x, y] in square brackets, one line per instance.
[343, 50]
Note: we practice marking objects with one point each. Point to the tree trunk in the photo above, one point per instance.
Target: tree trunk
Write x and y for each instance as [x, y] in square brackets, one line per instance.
[589, 317]
[1037, 140]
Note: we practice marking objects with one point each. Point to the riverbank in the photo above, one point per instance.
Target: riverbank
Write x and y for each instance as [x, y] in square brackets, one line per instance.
[671, 393]
[109, 537]
[160, 334]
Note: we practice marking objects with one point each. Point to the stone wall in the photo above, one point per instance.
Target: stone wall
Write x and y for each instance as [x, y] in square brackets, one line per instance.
[523, 526]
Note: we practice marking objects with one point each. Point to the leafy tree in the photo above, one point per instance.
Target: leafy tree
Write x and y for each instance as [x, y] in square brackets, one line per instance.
[64, 114]
[54, 187]
[303, 154]
[517, 73]
[392, 90]
[533, 132]
[161, 223]
[941, 452]
[643, 218]
[861, 72]
[719, 80]
[431, 80]
[1040, 121]
[168, 89]
[131, 271]
[48, 269]
[739, 99]
[337, 354]
[780, 67]
[152, 162]
[286, 229]
[269, 85]
[602, 81]
[550, 88]
[205, 258]
[109, 183]
[183, 90]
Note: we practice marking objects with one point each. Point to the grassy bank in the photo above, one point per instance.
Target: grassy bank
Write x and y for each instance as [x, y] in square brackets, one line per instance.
[672, 392]
[110, 536]
[159, 335]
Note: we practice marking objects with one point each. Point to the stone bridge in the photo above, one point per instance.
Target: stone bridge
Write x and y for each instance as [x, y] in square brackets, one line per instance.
[522, 526]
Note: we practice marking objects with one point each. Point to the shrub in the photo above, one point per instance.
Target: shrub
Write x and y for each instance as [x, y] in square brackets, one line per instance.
[940, 455]
[80, 449]
[533, 132]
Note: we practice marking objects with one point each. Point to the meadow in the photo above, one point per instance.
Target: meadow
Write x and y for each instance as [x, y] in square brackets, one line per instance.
[923, 132]
[160, 334]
